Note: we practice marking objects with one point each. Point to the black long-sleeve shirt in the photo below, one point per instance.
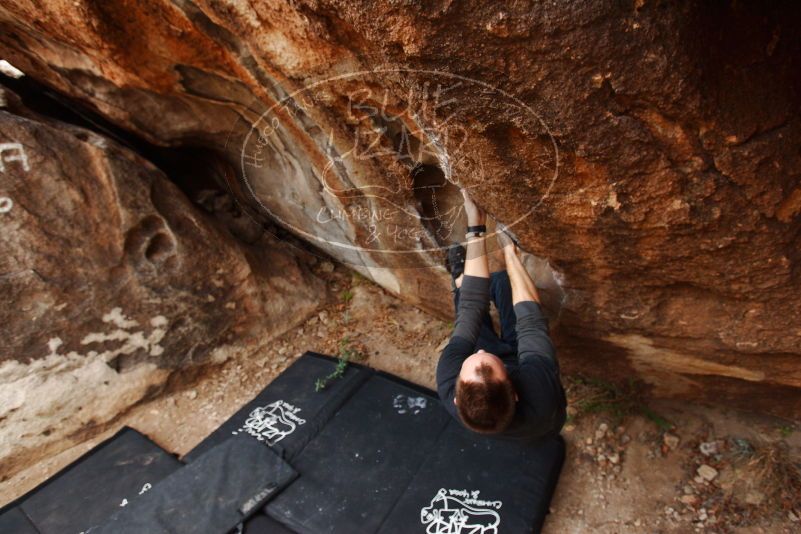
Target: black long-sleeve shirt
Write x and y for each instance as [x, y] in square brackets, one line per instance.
[534, 371]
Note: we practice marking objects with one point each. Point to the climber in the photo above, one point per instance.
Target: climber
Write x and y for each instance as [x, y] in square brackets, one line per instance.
[505, 385]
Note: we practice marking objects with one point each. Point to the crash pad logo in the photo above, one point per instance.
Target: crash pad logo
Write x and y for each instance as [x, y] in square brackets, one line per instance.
[460, 512]
[272, 423]
[373, 161]
[404, 404]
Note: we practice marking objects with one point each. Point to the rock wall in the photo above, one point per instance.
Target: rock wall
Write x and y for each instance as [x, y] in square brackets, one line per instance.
[646, 153]
[111, 281]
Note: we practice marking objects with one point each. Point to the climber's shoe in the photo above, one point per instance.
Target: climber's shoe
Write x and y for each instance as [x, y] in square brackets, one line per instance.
[455, 262]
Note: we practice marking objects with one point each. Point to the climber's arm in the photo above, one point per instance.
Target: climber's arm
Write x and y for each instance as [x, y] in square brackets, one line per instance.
[533, 339]
[473, 304]
[523, 288]
[476, 262]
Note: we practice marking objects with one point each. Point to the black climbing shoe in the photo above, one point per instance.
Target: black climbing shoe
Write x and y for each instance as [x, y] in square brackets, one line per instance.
[455, 262]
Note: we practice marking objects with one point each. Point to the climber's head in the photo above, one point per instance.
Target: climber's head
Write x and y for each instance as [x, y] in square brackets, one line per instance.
[485, 397]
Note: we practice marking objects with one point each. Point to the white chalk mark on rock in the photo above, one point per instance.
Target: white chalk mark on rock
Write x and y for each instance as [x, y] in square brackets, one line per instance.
[17, 153]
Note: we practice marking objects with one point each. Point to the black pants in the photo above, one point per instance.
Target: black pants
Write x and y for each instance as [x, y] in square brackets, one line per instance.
[489, 340]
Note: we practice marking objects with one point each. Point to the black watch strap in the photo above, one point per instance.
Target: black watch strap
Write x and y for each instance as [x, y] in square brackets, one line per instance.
[477, 229]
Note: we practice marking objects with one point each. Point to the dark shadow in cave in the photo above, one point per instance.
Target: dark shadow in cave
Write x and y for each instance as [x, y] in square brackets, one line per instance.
[191, 167]
[439, 203]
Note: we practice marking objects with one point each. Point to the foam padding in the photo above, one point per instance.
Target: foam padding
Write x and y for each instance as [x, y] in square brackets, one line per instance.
[359, 465]
[261, 524]
[96, 485]
[472, 483]
[215, 493]
[289, 412]
[372, 454]
[14, 521]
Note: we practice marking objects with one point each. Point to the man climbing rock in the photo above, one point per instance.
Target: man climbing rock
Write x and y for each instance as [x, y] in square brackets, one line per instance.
[507, 385]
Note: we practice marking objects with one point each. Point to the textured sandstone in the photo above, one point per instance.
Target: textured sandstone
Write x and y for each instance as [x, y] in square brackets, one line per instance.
[670, 233]
[111, 280]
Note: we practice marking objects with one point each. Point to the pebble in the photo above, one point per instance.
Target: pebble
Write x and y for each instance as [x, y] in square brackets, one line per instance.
[688, 490]
[689, 500]
[707, 472]
[601, 432]
[327, 267]
[191, 394]
[588, 441]
[708, 448]
[614, 458]
[793, 517]
[754, 497]
[671, 440]
[637, 522]
[702, 514]
[282, 350]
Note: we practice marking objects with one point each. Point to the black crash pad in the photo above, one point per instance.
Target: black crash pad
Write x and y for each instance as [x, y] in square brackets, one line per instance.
[261, 524]
[96, 485]
[358, 466]
[212, 495]
[473, 483]
[373, 453]
[289, 412]
[392, 460]
[14, 521]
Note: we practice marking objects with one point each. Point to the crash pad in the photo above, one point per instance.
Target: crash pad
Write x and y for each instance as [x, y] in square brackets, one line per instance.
[219, 490]
[108, 477]
[290, 410]
[372, 452]
[358, 466]
[472, 483]
[261, 524]
[14, 521]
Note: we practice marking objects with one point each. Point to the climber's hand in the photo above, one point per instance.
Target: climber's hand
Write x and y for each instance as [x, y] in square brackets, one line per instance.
[475, 216]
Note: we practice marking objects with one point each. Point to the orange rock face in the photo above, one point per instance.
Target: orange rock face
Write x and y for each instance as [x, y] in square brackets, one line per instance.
[646, 155]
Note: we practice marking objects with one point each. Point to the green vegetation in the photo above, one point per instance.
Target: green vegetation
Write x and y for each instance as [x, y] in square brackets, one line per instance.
[592, 395]
[322, 383]
[347, 352]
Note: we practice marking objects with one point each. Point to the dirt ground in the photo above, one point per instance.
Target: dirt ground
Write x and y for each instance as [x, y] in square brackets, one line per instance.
[631, 467]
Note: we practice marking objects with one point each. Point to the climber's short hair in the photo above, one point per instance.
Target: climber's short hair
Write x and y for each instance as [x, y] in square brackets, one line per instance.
[487, 405]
